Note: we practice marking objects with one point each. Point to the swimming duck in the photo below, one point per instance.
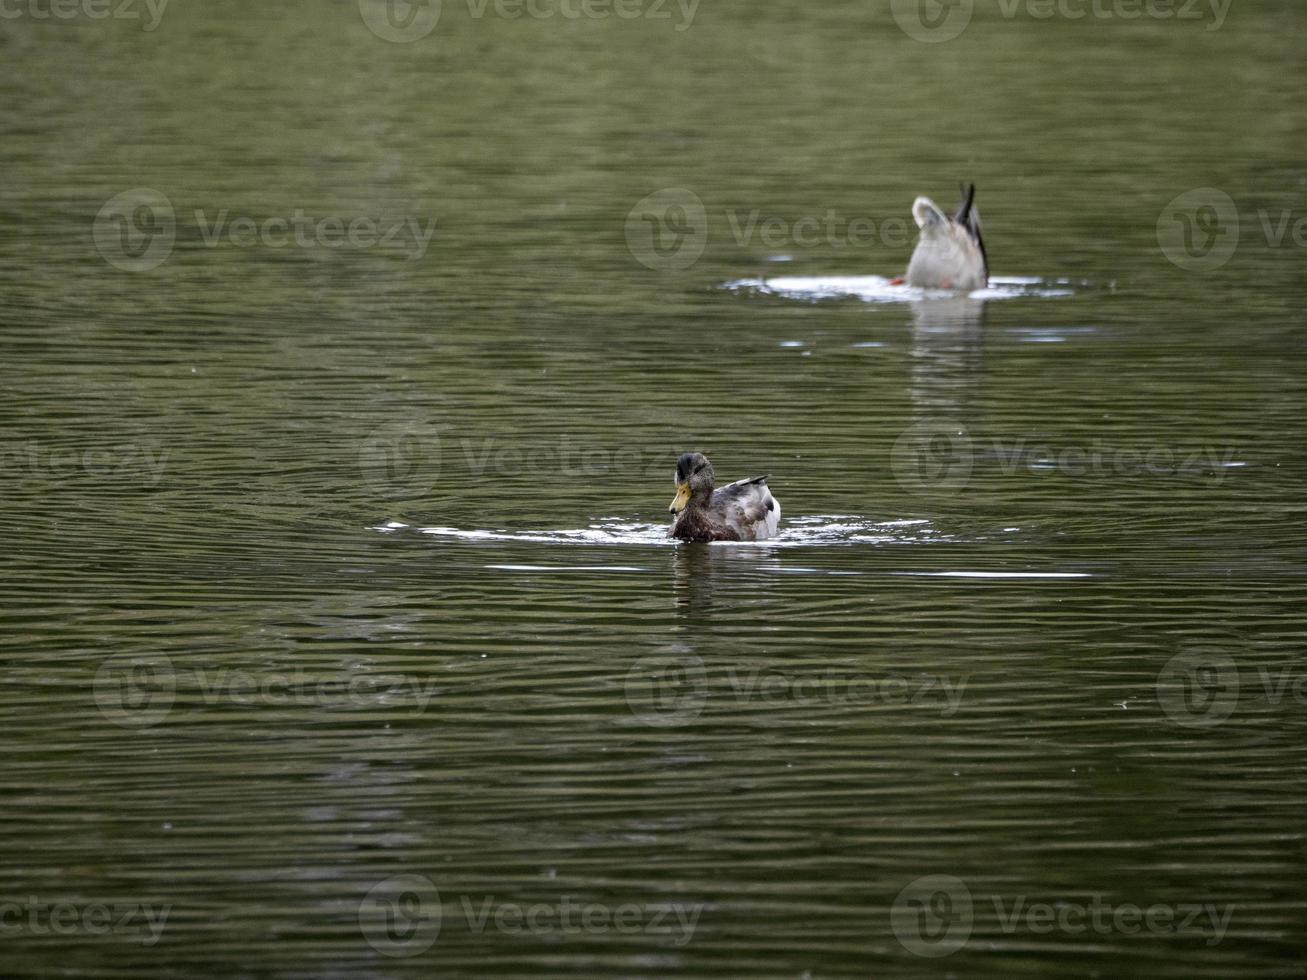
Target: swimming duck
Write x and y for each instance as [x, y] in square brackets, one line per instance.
[950, 253]
[741, 511]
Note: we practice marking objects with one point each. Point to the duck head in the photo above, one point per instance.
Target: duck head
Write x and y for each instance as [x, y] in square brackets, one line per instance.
[694, 481]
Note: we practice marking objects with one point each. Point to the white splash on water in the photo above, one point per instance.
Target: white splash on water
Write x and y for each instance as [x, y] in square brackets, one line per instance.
[997, 574]
[817, 529]
[567, 568]
[878, 289]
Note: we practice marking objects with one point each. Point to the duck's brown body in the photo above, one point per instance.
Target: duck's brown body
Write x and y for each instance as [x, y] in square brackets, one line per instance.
[697, 526]
[740, 511]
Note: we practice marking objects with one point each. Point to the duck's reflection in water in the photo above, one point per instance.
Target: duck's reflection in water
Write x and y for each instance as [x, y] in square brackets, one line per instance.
[728, 576]
[715, 588]
[947, 356]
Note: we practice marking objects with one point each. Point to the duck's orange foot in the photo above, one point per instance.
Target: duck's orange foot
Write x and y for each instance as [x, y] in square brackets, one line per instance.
[897, 281]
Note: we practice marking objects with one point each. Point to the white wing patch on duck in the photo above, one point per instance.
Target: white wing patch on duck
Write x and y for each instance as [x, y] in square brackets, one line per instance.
[750, 507]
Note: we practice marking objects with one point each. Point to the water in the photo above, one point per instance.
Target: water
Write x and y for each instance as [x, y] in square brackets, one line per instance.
[330, 564]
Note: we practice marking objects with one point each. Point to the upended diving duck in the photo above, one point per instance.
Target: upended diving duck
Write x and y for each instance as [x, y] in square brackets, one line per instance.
[950, 253]
[741, 511]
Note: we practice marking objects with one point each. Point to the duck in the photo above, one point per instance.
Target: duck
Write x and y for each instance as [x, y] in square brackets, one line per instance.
[741, 511]
[950, 253]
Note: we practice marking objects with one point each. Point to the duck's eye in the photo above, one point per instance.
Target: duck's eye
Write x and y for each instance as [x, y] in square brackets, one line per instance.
[699, 468]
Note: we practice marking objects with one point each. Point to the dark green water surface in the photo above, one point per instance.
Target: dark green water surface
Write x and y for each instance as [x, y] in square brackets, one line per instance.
[336, 619]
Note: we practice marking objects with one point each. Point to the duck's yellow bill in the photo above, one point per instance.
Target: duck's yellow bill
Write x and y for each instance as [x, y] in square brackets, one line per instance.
[681, 499]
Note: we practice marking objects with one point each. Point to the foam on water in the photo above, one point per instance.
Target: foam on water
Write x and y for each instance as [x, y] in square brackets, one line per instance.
[878, 289]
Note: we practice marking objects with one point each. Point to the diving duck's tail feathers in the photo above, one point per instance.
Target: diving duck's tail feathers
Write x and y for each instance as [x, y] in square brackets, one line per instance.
[963, 216]
[968, 216]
